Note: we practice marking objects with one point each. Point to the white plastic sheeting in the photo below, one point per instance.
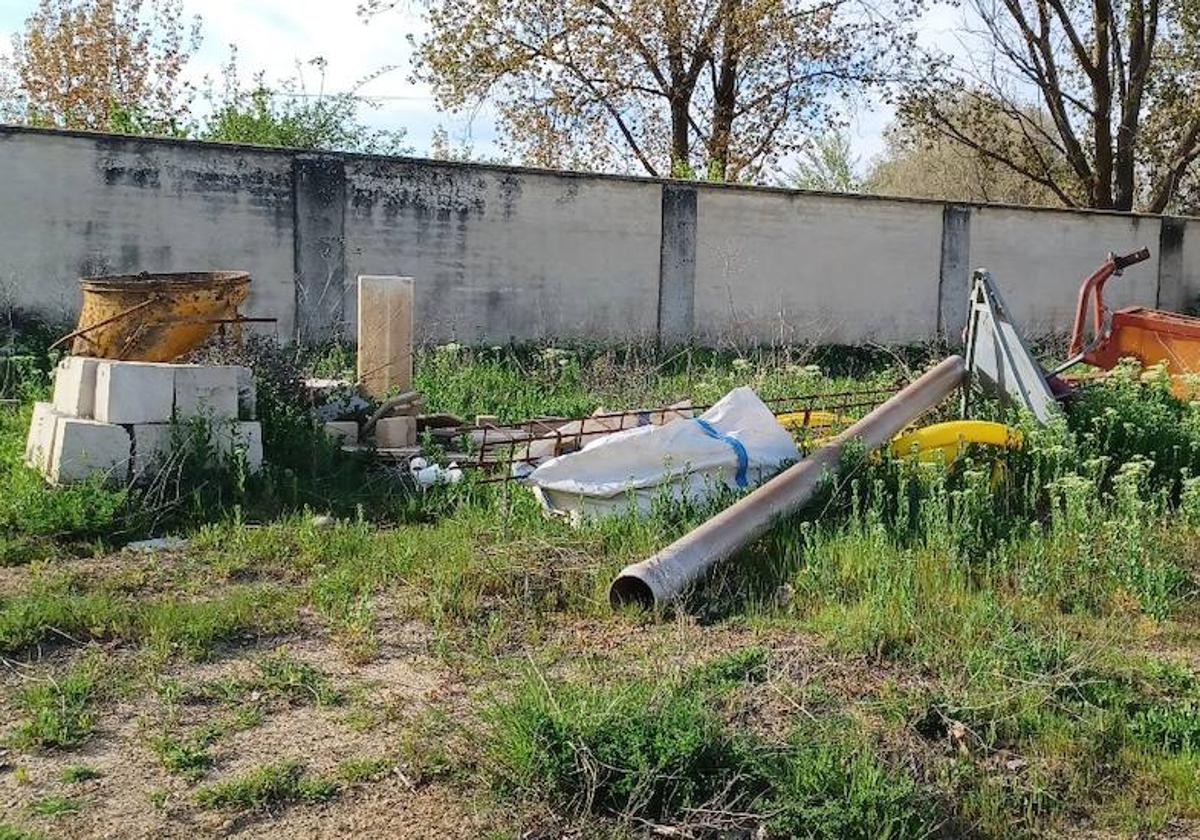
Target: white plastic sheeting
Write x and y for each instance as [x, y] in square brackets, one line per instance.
[737, 443]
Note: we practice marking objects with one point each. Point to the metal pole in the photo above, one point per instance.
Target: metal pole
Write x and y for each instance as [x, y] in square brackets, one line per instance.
[662, 576]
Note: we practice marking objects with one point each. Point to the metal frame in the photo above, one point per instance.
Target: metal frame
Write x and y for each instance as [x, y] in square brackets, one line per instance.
[997, 356]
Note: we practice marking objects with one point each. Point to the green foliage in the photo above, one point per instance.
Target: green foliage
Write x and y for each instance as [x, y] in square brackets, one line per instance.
[189, 757]
[826, 164]
[292, 116]
[55, 806]
[58, 712]
[11, 832]
[271, 785]
[77, 773]
[657, 750]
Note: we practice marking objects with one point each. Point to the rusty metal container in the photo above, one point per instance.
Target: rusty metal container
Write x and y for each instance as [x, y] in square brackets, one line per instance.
[155, 317]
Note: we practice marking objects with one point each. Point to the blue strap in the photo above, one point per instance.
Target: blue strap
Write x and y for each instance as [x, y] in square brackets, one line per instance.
[743, 459]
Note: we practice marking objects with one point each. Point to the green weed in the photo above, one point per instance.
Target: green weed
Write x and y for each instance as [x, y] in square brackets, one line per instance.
[361, 770]
[55, 806]
[268, 786]
[188, 757]
[59, 711]
[660, 751]
[11, 832]
[80, 773]
[57, 610]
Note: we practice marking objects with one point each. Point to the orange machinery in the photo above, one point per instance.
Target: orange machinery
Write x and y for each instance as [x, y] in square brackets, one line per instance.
[1148, 335]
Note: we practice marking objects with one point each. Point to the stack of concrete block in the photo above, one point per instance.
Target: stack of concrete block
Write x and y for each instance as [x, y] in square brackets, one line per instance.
[118, 419]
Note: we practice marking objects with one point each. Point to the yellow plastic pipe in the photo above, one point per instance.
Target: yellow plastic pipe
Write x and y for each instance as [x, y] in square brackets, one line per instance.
[946, 441]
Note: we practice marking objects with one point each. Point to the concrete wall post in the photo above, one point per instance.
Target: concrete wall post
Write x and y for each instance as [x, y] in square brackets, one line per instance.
[1172, 284]
[954, 277]
[319, 183]
[677, 266]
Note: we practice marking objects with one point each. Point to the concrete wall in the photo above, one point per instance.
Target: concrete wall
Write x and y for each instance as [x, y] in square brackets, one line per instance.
[784, 267]
[72, 207]
[503, 253]
[1039, 264]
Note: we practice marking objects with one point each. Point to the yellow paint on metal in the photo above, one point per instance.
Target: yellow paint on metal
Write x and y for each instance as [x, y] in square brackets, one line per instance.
[795, 421]
[156, 317]
[947, 441]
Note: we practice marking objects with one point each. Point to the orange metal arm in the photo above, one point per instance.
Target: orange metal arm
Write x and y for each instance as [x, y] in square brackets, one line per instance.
[1093, 288]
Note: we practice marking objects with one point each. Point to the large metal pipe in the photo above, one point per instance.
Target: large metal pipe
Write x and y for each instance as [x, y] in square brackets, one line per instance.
[662, 576]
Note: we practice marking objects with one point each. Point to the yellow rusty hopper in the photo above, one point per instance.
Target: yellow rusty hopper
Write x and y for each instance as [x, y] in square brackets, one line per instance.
[155, 317]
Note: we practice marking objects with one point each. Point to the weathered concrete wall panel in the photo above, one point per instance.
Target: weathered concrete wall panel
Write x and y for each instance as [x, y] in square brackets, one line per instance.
[677, 265]
[780, 267]
[1039, 258]
[1189, 266]
[75, 206]
[502, 253]
[499, 255]
[319, 182]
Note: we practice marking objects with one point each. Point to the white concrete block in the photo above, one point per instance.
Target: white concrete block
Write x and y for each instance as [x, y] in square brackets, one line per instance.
[344, 432]
[75, 387]
[83, 448]
[39, 446]
[207, 391]
[247, 394]
[151, 447]
[134, 392]
[395, 432]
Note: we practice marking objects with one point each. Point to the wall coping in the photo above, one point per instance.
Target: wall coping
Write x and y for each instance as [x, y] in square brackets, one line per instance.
[10, 129]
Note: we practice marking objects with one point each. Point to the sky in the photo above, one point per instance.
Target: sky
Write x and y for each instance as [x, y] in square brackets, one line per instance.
[275, 35]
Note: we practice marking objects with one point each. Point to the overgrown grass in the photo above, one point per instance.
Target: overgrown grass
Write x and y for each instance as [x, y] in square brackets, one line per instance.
[1023, 604]
[268, 786]
[60, 609]
[660, 751]
[59, 711]
[77, 773]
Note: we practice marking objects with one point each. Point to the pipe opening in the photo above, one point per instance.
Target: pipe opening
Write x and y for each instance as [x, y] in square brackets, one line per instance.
[628, 590]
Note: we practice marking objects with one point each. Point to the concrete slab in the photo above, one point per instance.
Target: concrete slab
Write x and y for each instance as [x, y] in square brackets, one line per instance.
[134, 392]
[247, 394]
[75, 387]
[40, 444]
[151, 447]
[395, 432]
[385, 334]
[344, 432]
[84, 448]
[207, 391]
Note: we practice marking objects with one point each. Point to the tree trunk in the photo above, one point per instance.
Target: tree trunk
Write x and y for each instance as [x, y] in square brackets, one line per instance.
[724, 94]
[681, 152]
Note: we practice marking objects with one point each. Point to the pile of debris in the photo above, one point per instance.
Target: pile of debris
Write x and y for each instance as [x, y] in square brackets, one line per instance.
[120, 419]
[119, 398]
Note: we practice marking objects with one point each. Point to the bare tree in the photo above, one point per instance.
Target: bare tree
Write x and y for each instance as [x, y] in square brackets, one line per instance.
[722, 88]
[921, 161]
[1104, 95]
